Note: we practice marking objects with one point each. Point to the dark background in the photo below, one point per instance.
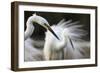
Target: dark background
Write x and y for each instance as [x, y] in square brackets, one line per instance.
[54, 18]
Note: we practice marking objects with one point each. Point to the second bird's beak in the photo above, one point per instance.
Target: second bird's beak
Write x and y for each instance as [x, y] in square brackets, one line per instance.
[49, 28]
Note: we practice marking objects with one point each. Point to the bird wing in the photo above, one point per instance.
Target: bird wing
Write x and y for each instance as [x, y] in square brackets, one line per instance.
[77, 47]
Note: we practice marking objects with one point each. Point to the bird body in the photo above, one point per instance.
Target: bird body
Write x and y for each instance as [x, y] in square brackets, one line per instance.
[62, 41]
[32, 52]
[67, 47]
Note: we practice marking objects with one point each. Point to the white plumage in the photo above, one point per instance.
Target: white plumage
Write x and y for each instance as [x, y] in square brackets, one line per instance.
[30, 27]
[63, 42]
[33, 53]
[70, 45]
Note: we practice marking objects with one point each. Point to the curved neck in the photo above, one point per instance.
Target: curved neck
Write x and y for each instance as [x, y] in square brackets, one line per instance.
[64, 41]
[61, 44]
[29, 30]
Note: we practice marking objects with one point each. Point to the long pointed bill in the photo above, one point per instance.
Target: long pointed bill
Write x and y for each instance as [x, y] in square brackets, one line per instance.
[48, 27]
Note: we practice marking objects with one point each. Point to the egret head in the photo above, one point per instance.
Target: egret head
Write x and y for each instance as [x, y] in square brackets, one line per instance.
[43, 22]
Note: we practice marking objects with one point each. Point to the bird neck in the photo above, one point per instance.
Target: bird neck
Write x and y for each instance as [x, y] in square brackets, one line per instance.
[64, 40]
[62, 43]
[29, 30]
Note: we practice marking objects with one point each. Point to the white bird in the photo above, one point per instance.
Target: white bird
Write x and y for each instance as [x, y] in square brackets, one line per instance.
[70, 45]
[31, 52]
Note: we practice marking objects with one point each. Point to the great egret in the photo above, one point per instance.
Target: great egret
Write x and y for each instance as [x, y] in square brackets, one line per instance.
[41, 21]
[31, 52]
[70, 45]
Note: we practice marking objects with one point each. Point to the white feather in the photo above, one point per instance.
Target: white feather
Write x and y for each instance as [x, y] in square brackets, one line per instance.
[33, 53]
[33, 48]
[66, 30]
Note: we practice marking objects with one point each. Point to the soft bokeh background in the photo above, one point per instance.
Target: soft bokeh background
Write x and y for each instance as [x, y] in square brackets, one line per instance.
[5, 37]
